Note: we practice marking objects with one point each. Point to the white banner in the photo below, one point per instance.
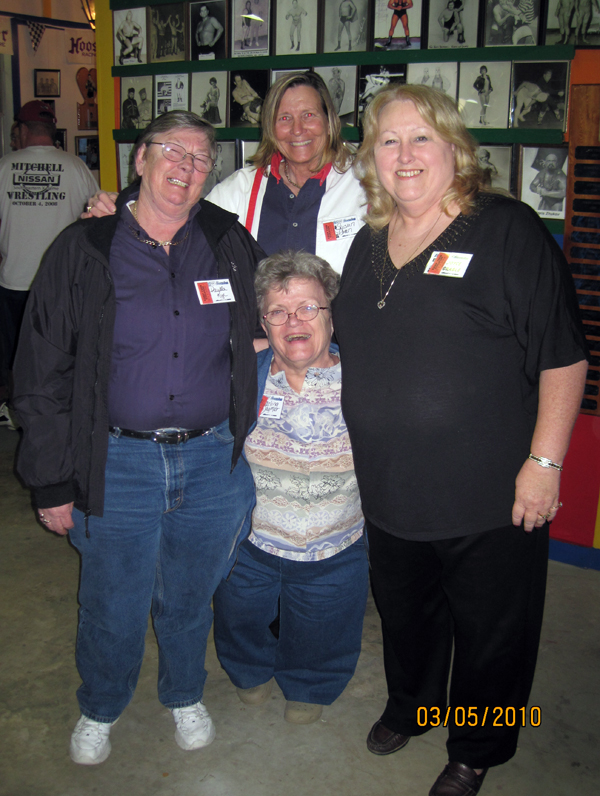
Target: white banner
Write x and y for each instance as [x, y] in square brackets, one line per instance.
[6, 47]
[80, 46]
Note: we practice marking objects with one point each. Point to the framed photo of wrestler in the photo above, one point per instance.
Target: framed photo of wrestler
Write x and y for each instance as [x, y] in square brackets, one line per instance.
[296, 24]
[208, 97]
[125, 165]
[539, 94]
[573, 22]
[397, 24]
[452, 24]
[341, 82]
[345, 26]
[208, 30]
[167, 32]
[443, 76]
[246, 149]
[511, 22]
[225, 164]
[543, 179]
[373, 78]
[136, 102]
[247, 90]
[496, 161]
[130, 37]
[484, 93]
[170, 93]
[250, 26]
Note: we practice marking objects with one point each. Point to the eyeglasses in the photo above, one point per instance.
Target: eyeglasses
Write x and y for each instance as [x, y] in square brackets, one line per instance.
[176, 154]
[279, 317]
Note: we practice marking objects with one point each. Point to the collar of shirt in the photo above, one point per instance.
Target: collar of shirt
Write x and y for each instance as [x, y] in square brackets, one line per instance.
[277, 160]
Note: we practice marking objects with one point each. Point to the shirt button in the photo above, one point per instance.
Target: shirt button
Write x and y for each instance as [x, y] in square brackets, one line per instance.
[175, 355]
[292, 196]
[176, 312]
[172, 275]
[171, 397]
[295, 224]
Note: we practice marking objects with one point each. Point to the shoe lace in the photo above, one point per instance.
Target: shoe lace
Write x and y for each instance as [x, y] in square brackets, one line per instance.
[187, 718]
[91, 734]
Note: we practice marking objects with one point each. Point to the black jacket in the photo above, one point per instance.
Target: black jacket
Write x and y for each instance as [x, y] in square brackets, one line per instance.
[62, 365]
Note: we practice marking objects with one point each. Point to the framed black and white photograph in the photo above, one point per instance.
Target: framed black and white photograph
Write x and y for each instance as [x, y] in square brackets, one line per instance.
[277, 73]
[484, 93]
[208, 30]
[372, 79]
[442, 76]
[87, 148]
[341, 82]
[170, 93]
[452, 24]
[46, 83]
[167, 32]
[130, 38]
[511, 23]
[246, 150]
[247, 91]
[296, 25]
[136, 102]
[543, 179]
[397, 24]
[250, 27]
[125, 166]
[225, 164]
[208, 97]
[345, 26]
[571, 22]
[496, 161]
[60, 138]
[539, 94]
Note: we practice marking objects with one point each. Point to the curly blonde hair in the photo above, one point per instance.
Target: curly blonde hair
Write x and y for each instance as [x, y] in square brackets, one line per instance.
[439, 112]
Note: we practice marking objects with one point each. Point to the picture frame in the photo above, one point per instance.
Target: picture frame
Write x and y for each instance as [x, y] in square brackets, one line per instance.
[372, 78]
[126, 172]
[247, 90]
[46, 83]
[87, 148]
[342, 84]
[484, 93]
[171, 93]
[209, 30]
[208, 96]
[60, 138]
[540, 92]
[443, 76]
[506, 25]
[390, 25]
[246, 149]
[543, 179]
[345, 26]
[296, 25]
[168, 34]
[277, 73]
[565, 26]
[130, 36]
[136, 102]
[250, 28]
[452, 24]
[496, 161]
[225, 165]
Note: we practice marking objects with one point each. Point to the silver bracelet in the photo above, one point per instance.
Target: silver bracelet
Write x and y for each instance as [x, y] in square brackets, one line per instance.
[544, 462]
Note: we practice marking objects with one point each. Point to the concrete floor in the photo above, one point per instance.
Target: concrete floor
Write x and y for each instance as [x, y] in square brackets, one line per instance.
[256, 753]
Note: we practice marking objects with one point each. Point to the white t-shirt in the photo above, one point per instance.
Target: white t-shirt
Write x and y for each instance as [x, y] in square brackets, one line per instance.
[42, 190]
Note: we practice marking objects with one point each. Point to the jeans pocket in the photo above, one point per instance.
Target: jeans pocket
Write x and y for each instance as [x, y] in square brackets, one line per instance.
[222, 433]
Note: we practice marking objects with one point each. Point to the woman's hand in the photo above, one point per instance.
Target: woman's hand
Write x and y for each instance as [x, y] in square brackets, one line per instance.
[101, 204]
[536, 496]
[57, 519]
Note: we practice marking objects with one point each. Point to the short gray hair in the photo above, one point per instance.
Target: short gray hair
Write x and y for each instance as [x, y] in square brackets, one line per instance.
[176, 120]
[277, 271]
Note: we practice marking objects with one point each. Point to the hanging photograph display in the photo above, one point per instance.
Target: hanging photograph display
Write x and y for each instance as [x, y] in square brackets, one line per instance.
[136, 102]
[296, 26]
[130, 37]
[539, 94]
[341, 82]
[345, 25]
[397, 24]
[208, 30]
[170, 93]
[209, 97]
[484, 93]
[543, 178]
[452, 24]
[250, 28]
[496, 162]
[167, 32]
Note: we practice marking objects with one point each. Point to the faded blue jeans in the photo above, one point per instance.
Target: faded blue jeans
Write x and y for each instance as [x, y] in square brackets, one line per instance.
[172, 517]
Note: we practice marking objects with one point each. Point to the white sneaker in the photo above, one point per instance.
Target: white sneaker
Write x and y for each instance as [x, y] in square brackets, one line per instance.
[90, 744]
[194, 726]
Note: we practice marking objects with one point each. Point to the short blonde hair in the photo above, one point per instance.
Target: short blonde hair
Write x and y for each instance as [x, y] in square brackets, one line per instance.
[441, 113]
[336, 149]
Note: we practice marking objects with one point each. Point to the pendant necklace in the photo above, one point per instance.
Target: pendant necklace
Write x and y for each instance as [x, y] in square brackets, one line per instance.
[288, 178]
[153, 243]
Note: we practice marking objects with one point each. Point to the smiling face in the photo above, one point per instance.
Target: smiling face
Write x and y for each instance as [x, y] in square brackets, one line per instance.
[414, 165]
[299, 345]
[301, 128]
[172, 189]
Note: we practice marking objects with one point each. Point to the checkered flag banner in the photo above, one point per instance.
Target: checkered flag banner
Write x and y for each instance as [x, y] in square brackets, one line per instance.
[36, 31]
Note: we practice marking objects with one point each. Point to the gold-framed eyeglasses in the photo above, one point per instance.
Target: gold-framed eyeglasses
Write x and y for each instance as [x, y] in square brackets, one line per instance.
[306, 313]
[176, 153]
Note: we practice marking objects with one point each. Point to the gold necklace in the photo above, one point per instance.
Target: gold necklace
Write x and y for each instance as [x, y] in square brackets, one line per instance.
[153, 243]
[288, 178]
[381, 304]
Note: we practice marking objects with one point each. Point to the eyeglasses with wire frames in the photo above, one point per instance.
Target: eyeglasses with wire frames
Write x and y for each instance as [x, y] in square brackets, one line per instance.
[176, 153]
[306, 313]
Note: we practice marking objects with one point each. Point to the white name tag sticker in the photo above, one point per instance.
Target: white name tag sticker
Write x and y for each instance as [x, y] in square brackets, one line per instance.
[448, 264]
[339, 228]
[271, 406]
[214, 291]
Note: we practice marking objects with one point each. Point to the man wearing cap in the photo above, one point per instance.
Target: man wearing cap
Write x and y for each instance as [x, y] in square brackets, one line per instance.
[42, 190]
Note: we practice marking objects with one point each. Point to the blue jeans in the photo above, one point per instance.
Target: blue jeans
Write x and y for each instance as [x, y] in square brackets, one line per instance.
[172, 516]
[322, 606]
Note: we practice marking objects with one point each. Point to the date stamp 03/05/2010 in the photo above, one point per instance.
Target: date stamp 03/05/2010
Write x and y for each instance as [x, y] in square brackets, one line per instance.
[479, 717]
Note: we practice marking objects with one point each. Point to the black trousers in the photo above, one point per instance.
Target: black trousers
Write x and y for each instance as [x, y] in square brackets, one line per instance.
[484, 595]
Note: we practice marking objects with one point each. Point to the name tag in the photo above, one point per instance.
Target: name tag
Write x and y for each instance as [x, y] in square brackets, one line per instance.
[339, 228]
[214, 291]
[271, 406]
[448, 264]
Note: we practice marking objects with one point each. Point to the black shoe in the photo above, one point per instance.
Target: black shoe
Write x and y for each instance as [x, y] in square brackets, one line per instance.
[457, 780]
[382, 741]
